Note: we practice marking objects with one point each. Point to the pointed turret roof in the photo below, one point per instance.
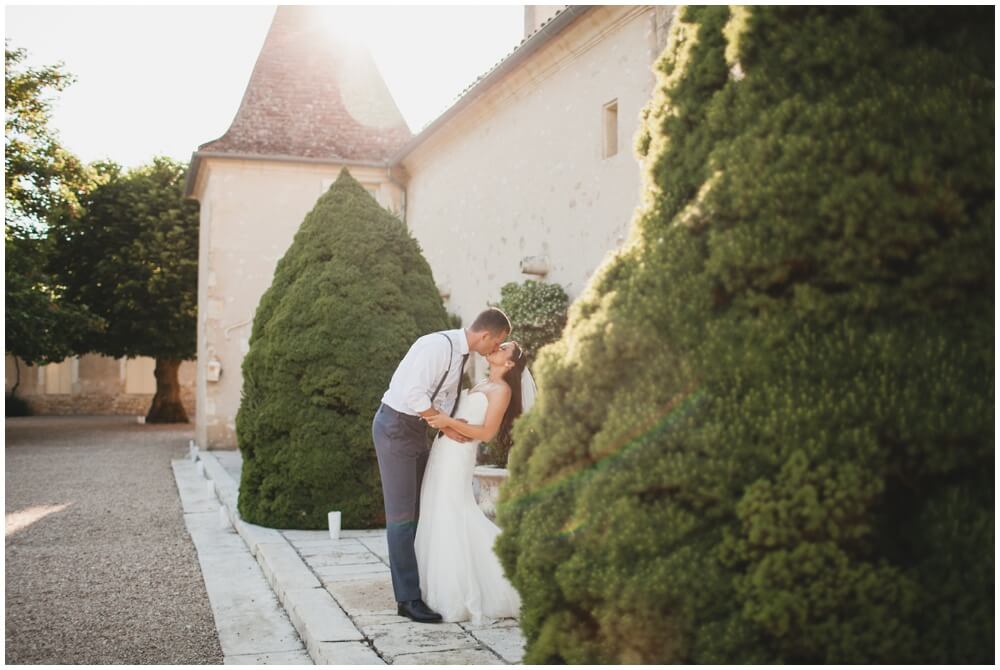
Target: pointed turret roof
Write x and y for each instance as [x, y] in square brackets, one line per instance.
[313, 96]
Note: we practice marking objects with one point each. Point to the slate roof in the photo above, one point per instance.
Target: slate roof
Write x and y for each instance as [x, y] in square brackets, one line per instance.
[311, 96]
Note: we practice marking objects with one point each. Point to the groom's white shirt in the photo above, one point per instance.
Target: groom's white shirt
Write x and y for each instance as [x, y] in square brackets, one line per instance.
[419, 372]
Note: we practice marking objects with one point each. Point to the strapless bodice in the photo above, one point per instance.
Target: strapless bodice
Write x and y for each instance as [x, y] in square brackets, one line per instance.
[472, 407]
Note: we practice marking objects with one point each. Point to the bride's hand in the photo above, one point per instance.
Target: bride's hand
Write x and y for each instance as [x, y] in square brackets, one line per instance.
[455, 435]
[439, 420]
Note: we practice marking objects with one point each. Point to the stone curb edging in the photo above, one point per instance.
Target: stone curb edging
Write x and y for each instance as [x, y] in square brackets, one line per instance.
[330, 637]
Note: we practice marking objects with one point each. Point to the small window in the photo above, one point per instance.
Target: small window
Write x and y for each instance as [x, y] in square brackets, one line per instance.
[59, 377]
[611, 129]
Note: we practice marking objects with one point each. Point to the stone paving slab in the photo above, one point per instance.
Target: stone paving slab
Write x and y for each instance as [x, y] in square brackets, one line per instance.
[305, 535]
[280, 658]
[346, 653]
[257, 535]
[352, 571]
[284, 569]
[338, 594]
[506, 642]
[307, 549]
[396, 639]
[316, 613]
[194, 495]
[251, 625]
[368, 596]
[333, 558]
[474, 656]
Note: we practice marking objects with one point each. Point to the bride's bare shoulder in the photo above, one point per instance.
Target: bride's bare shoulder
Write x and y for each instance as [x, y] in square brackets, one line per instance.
[497, 391]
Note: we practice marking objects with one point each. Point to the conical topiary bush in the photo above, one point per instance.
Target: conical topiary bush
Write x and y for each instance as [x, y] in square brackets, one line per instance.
[348, 299]
[766, 434]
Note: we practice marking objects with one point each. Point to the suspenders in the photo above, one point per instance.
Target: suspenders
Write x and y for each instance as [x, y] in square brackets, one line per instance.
[451, 349]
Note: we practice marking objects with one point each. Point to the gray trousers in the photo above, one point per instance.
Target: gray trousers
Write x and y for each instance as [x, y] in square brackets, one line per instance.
[402, 448]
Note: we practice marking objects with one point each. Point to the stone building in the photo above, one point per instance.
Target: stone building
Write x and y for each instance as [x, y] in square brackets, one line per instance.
[531, 169]
[94, 384]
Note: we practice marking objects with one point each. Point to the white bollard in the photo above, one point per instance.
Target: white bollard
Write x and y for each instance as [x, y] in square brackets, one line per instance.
[210, 486]
[140, 419]
[200, 467]
[334, 520]
[223, 517]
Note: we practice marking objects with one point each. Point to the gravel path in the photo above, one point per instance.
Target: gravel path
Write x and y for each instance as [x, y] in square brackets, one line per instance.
[100, 568]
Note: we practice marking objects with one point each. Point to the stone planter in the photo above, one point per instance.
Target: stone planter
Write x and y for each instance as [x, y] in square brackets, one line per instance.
[486, 481]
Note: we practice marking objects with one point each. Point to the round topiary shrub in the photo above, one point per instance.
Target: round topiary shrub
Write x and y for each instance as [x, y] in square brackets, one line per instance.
[766, 435]
[348, 299]
[537, 312]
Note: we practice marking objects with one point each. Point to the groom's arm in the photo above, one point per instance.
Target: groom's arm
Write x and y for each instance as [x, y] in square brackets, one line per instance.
[449, 432]
[428, 360]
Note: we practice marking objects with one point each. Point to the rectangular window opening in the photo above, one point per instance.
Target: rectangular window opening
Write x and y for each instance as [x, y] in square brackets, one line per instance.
[611, 128]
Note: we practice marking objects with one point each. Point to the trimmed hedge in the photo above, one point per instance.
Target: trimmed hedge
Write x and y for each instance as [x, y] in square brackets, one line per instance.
[766, 435]
[537, 312]
[348, 299]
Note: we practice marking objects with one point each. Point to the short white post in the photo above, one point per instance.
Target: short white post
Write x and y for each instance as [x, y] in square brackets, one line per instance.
[223, 517]
[334, 520]
[200, 467]
[210, 486]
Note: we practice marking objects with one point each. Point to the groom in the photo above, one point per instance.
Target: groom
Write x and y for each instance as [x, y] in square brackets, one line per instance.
[427, 382]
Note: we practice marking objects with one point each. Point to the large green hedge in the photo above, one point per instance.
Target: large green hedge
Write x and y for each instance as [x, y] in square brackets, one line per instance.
[348, 299]
[766, 434]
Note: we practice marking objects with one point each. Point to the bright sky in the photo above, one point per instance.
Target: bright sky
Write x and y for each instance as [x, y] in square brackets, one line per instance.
[162, 80]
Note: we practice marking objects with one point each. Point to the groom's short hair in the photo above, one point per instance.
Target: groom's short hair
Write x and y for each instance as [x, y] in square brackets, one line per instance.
[492, 320]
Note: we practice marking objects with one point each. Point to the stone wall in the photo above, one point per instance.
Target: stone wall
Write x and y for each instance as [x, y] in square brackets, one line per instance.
[97, 385]
[524, 170]
[250, 211]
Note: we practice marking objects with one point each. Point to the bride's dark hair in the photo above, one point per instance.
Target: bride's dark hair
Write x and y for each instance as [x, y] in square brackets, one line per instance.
[514, 408]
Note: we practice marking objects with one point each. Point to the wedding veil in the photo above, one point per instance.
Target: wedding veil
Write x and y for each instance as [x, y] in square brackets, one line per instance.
[528, 390]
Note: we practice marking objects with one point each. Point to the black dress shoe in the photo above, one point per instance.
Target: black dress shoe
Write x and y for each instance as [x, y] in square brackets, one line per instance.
[418, 611]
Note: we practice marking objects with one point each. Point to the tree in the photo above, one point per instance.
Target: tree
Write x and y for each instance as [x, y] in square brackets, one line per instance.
[40, 176]
[766, 435]
[131, 258]
[348, 299]
[41, 180]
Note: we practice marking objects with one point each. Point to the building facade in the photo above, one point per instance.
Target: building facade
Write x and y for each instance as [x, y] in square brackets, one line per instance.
[530, 174]
[94, 384]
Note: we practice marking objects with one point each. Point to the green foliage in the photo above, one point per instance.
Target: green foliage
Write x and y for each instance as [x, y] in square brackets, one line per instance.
[41, 180]
[348, 299]
[131, 258]
[40, 176]
[39, 326]
[537, 312]
[766, 435]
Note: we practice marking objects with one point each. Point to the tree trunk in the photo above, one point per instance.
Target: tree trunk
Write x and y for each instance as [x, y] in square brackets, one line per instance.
[167, 406]
[17, 378]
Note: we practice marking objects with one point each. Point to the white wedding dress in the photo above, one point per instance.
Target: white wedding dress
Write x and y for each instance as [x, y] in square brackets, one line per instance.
[460, 576]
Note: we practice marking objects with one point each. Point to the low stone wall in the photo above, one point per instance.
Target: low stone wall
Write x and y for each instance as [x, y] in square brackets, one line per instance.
[135, 404]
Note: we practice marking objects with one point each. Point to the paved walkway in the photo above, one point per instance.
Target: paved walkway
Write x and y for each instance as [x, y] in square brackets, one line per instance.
[252, 626]
[338, 593]
[99, 566]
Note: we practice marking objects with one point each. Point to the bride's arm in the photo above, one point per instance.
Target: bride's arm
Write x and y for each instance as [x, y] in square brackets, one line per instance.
[498, 398]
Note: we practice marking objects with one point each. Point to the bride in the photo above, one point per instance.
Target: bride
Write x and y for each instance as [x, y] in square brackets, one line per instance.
[460, 576]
